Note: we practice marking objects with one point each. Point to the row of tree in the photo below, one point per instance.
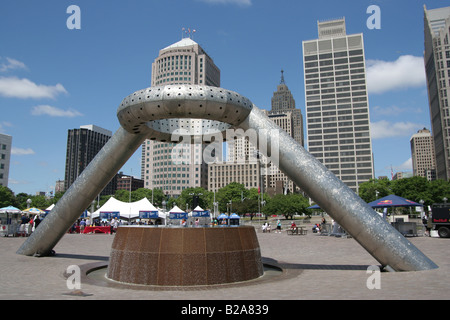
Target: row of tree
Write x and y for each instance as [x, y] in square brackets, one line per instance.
[236, 198]
[415, 189]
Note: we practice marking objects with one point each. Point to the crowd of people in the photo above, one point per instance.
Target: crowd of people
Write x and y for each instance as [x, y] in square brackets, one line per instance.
[317, 228]
[80, 225]
[28, 224]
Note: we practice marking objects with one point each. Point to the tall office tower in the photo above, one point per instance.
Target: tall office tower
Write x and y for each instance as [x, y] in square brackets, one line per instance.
[82, 146]
[5, 158]
[290, 119]
[422, 154]
[183, 62]
[283, 102]
[337, 106]
[437, 67]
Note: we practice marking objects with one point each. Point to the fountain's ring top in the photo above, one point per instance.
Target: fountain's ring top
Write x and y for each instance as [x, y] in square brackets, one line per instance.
[183, 109]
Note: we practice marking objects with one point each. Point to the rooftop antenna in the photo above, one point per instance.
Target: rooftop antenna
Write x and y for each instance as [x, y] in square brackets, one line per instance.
[282, 77]
[187, 33]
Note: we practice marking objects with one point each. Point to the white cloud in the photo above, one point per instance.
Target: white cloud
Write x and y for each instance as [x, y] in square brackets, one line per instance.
[407, 71]
[11, 64]
[405, 166]
[13, 87]
[385, 129]
[54, 112]
[242, 3]
[21, 152]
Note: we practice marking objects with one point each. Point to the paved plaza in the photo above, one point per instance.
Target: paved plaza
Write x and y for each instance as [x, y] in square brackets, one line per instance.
[315, 268]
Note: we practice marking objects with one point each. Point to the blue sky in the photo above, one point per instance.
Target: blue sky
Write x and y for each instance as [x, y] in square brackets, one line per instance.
[53, 79]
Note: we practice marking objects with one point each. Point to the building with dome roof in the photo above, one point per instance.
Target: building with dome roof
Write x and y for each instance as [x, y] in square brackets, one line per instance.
[183, 62]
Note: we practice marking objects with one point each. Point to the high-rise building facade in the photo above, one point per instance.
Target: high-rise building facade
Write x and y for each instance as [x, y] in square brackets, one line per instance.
[337, 106]
[437, 67]
[285, 114]
[184, 62]
[5, 158]
[422, 154]
[282, 102]
[82, 146]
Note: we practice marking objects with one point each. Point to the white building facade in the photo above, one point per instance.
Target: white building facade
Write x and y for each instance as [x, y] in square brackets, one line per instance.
[337, 105]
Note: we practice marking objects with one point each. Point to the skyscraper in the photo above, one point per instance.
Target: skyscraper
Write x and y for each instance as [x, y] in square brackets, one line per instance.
[290, 119]
[82, 146]
[283, 102]
[337, 106]
[184, 62]
[422, 154]
[5, 158]
[437, 67]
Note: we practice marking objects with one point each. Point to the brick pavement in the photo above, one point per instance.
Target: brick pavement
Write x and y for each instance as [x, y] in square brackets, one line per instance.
[316, 267]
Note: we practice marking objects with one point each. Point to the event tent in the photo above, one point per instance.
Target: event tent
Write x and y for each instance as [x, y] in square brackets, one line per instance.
[199, 212]
[127, 210]
[177, 213]
[387, 202]
[33, 211]
[10, 209]
[393, 201]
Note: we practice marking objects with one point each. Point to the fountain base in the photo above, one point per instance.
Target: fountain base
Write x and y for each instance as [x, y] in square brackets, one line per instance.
[167, 256]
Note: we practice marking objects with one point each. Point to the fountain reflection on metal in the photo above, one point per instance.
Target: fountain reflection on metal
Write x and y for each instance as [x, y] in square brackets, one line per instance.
[157, 112]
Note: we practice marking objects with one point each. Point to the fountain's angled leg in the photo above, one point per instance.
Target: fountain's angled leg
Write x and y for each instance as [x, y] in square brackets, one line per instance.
[83, 191]
[379, 238]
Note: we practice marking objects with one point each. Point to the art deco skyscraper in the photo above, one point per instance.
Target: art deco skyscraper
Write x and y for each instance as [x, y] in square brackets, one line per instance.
[184, 62]
[337, 106]
[283, 102]
[290, 119]
[437, 67]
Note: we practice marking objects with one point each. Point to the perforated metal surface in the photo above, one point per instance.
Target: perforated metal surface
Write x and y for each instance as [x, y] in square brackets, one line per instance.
[187, 109]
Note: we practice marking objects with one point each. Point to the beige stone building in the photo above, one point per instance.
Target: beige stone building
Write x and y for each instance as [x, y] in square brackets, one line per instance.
[184, 62]
[422, 154]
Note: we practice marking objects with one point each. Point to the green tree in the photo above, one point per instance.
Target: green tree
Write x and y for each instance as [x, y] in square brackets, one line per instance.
[374, 189]
[439, 189]
[415, 189]
[187, 197]
[287, 205]
[40, 202]
[6, 197]
[248, 206]
[232, 193]
[140, 194]
[122, 195]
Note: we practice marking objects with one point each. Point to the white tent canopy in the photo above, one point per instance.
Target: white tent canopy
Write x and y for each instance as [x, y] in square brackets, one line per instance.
[127, 210]
[176, 210]
[198, 212]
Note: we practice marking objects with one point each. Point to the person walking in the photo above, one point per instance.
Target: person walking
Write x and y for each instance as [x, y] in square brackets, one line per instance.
[114, 225]
[279, 226]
